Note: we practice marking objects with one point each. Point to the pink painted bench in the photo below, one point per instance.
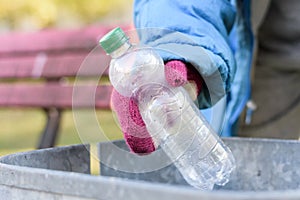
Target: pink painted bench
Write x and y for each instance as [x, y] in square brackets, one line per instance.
[33, 65]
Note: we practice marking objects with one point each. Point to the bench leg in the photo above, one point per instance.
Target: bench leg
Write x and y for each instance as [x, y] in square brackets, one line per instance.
[49, 135]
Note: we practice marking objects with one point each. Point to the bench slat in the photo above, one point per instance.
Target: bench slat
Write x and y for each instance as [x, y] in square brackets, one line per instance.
[55, 95]
[52, 40]
[54, 66]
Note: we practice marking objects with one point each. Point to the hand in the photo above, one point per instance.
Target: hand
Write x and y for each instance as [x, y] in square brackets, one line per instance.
[133, 127]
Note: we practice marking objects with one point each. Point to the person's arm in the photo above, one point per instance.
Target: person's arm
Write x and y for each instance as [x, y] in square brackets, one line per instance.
[195, 32]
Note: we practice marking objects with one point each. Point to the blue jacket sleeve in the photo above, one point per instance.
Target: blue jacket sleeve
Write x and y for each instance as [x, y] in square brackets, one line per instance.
[195, 31]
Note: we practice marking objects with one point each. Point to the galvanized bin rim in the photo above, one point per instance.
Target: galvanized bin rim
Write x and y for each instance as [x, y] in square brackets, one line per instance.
[87, 186]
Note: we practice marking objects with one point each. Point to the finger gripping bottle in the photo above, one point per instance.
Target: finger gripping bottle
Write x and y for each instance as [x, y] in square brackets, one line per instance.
[171, 117]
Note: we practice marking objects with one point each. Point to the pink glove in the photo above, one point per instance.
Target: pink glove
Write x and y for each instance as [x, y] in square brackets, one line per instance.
[135, 133]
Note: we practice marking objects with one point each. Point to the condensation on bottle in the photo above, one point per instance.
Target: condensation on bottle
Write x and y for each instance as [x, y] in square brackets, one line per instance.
[171, 117]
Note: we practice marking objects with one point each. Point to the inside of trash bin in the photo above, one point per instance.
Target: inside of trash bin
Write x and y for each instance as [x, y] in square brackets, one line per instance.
[262, 165]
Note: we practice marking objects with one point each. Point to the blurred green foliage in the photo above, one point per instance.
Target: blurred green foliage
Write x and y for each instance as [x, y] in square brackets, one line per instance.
[21, 128]
[38, 14]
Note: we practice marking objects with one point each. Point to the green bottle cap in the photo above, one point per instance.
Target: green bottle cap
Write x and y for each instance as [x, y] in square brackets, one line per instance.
[113, 40]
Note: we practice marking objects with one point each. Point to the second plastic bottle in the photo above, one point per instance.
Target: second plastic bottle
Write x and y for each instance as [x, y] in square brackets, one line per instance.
[171, 117]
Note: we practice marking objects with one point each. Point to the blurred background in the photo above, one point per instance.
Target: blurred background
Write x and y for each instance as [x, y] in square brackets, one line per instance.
[31, 15]
[21, 128]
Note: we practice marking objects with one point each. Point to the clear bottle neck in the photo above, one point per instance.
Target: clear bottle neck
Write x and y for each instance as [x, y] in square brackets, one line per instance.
[121, 50]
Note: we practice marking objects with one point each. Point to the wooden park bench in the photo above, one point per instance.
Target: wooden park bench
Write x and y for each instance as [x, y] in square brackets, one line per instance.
[34, 65]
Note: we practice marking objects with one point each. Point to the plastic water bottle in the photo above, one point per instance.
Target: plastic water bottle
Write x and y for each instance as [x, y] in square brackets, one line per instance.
[171, 117]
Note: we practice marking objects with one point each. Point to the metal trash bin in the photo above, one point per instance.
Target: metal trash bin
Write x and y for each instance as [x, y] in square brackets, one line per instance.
[266, 169]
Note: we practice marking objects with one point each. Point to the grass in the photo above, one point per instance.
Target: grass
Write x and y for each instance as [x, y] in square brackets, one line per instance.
[21, 128]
